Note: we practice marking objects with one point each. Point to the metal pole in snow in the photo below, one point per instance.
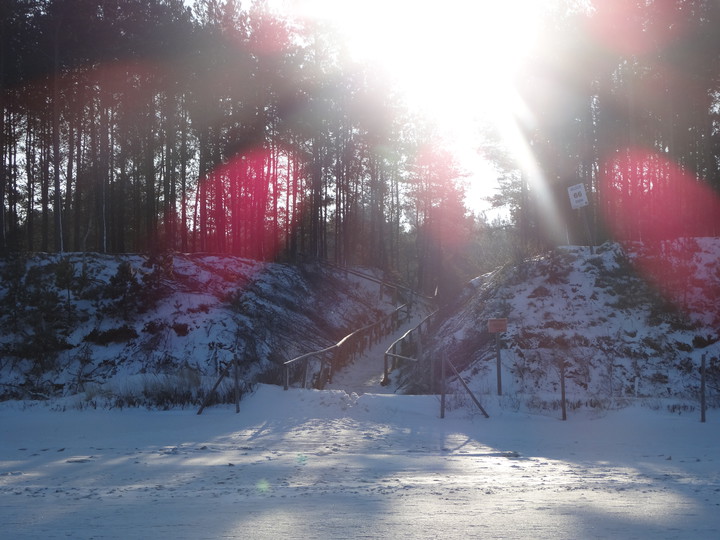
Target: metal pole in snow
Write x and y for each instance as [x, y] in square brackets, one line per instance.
[236, 371]
[386, 370]
[591, 240]
[237, 384]
[562, 390]
[442, 386]
[499, 375]
[702, 388]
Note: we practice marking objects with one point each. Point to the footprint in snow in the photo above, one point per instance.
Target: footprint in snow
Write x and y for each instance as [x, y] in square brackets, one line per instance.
[80, 459]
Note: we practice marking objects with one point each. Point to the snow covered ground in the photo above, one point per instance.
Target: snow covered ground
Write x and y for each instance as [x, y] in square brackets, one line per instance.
[165, 325]
[627, 322]
[358, 461]
[328, 464]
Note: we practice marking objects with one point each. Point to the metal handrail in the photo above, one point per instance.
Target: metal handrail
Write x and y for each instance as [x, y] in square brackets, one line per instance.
[347, 340]
[390, 352]
[374, 279]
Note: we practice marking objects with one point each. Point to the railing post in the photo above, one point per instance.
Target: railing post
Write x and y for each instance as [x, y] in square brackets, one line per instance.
[386, 371]
[499, 364]
[442, 386]
[236, 376]
[433, 388]
[336, 361]
[562, 390]
[702, 389]
[287, 377]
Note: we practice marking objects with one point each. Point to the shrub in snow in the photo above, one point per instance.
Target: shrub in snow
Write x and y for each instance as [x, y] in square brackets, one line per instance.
[121, 334]
[123, 289]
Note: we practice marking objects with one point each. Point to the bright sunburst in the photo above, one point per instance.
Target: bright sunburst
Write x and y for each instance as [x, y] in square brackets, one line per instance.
[454, 61]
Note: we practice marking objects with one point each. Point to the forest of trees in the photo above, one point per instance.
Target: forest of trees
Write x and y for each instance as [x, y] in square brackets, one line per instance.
[624, 97]
[147, 125]
[144, 125]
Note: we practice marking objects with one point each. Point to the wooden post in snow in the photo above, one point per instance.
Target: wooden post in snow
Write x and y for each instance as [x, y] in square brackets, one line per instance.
[497, 326]
[223, 372]
[472, 396]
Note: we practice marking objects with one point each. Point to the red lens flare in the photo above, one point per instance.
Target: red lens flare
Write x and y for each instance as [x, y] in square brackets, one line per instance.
[647, 197]
[636, 28]
[244, 205]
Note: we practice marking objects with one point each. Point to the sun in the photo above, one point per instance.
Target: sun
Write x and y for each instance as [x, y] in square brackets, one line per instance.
[453, 61]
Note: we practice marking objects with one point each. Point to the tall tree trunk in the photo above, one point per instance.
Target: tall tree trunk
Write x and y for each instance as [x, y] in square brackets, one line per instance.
[12, 190]
[104, 160]
[69, 175]
[219, 182]
[57, 195]
[201, 202]
[44, 192]
[183, 181]
[3, 168]
[150, 197]
[3, 138]
[169, 173]
[80, 186]
[30, 166]
[274, 178]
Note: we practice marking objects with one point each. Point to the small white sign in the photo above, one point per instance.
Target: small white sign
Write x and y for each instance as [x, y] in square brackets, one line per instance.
[578, 196]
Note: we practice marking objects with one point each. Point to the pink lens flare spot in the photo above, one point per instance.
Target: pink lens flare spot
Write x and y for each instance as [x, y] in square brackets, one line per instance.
[648, 198]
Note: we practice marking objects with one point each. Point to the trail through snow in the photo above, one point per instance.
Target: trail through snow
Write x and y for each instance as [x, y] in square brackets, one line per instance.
[366, 373]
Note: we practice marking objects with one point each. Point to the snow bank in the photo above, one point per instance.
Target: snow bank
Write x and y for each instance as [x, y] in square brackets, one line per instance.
[623, 330]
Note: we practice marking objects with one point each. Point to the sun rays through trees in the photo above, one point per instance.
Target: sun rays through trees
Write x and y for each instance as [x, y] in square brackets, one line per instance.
[146, 126]
[621, 96]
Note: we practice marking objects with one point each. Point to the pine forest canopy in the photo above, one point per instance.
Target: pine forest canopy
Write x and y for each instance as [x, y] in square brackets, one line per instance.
[623, 97]
[145, 125]
[142, 125]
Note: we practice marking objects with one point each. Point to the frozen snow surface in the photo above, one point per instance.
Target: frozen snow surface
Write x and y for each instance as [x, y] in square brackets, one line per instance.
[626, 323]
[357, 460]
[328, 464]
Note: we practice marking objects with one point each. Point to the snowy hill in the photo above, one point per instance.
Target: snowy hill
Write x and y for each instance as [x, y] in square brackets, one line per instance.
[131, 329]
[626, 322]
